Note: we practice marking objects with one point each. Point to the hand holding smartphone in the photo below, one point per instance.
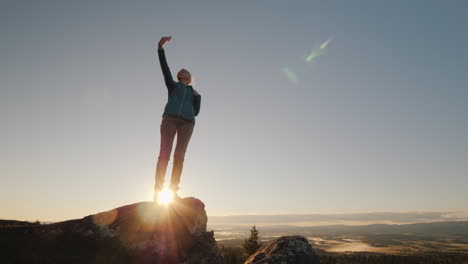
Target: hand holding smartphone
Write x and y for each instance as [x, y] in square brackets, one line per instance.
[163, 40]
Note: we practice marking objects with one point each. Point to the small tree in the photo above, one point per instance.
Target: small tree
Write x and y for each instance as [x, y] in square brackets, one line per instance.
[231, 255]
[251, 244]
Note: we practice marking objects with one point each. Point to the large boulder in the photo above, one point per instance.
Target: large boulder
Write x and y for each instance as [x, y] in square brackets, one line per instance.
[284, 250]
[138, 233]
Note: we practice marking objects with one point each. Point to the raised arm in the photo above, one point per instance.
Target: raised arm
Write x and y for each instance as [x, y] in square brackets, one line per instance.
[170, 84]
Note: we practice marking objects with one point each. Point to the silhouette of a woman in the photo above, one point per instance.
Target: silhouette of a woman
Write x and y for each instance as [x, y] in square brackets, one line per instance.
[183, 104]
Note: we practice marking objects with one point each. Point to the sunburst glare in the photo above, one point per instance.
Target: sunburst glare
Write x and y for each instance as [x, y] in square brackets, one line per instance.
[165, 196]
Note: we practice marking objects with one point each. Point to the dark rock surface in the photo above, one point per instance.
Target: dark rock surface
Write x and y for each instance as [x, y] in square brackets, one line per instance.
[137, 233]
[284, 250]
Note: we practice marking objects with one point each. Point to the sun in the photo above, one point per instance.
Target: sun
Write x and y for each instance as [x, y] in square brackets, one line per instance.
[165, 196]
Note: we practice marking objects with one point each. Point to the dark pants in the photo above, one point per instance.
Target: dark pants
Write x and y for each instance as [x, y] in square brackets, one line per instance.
[170, 126]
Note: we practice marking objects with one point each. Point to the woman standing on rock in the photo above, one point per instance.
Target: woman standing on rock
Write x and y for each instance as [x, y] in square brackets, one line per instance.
[182, 106]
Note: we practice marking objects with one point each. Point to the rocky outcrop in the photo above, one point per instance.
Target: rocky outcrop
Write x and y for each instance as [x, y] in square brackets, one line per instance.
[284, 250]
[137, 233]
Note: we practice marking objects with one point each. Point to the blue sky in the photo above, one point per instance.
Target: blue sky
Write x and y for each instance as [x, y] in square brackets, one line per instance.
[376, 123]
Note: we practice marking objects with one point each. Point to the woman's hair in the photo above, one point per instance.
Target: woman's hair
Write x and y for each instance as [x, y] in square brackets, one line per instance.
[184, 74]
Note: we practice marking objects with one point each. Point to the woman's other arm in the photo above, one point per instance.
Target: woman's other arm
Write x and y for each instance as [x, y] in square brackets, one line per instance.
[196, 102]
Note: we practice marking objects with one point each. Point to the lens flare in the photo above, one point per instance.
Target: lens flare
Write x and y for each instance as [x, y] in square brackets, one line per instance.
[290, 74]
[313, 54]
[325, 44]
[319, 50]
[165, 196]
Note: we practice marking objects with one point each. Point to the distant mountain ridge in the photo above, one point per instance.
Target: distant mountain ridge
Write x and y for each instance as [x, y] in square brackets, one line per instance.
[449, 228]
[316, 219]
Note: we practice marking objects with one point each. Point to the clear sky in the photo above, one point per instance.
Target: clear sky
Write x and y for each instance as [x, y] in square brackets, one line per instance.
[377, 123]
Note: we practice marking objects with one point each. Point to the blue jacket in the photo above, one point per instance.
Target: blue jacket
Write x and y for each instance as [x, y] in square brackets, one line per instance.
[181, 101]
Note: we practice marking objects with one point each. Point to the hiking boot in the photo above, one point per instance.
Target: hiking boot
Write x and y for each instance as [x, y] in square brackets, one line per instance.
[157, 189]
[175, 196]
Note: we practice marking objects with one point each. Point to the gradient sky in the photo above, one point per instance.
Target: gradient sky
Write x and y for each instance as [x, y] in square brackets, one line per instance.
[379, 122]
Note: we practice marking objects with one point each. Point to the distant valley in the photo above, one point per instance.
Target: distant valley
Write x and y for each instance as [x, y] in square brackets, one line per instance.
[379, 238]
